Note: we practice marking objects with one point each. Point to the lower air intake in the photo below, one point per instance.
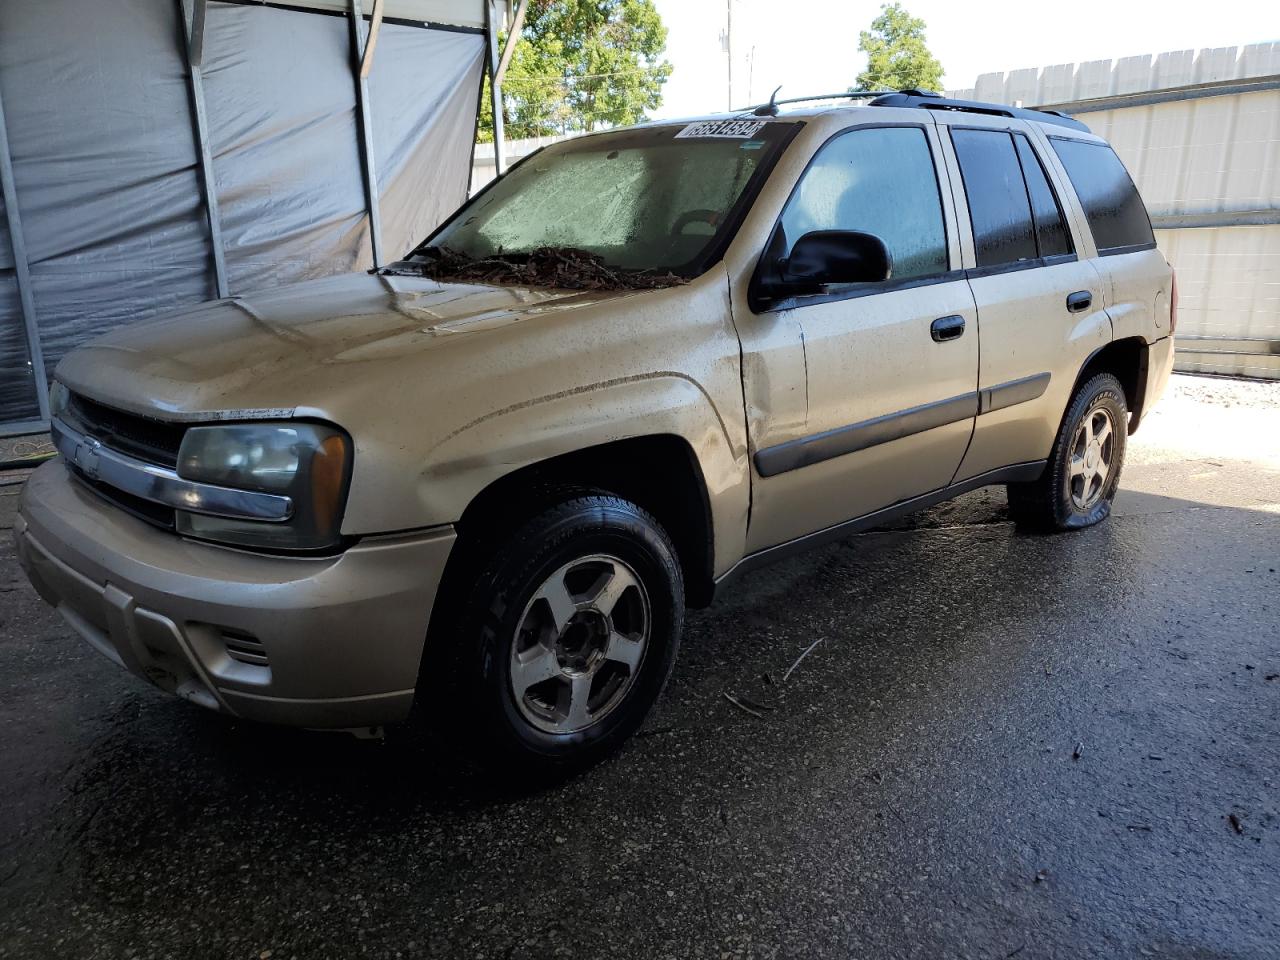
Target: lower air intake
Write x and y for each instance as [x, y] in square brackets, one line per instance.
[245, 648]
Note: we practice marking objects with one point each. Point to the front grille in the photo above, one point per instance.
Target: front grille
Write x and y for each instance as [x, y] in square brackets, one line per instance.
[154, 513]
[245, 648]
[155, 441]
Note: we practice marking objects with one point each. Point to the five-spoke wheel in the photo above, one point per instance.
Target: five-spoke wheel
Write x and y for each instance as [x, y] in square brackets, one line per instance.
[579, 644]
[569, 631]
[1091, 452]
[1079, 481]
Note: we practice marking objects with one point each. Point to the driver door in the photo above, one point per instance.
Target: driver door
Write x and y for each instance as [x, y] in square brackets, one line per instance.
[890, 368]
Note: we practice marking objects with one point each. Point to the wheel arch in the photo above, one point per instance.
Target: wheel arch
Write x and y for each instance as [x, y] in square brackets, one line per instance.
[1126, 359]
[660, 473]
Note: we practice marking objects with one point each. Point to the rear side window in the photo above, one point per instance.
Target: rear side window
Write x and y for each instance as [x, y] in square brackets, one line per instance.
[1111, 203]
[1051, 230]
[1003, 231]
[878, 180]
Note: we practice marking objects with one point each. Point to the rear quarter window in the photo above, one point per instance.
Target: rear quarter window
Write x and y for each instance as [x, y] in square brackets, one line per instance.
[1116, 214]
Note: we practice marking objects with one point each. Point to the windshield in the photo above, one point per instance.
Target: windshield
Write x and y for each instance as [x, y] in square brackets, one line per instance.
[640, 207]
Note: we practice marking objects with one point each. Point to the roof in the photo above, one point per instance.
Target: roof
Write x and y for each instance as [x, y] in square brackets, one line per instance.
[1133, 81]
[456, 13]
[806, 107]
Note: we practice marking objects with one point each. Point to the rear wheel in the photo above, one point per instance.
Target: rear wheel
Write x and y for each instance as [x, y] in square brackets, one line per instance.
[569, 633]
[1083, 473]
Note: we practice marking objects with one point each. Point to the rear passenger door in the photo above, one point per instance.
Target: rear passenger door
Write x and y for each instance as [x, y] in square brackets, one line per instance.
[1040, 303]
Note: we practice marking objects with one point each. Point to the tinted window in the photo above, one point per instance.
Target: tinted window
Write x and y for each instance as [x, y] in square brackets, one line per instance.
[1116, 214]
[879, 181]
[998, 206]
[1051, 230]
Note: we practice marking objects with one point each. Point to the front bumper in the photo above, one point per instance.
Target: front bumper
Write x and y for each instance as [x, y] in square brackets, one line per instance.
[333, 642]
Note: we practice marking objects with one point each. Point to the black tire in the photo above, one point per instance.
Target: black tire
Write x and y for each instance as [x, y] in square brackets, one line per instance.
[511, 572]
[1053, 502]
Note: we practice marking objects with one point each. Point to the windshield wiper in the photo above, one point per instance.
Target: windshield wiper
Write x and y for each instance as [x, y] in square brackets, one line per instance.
[415, 262]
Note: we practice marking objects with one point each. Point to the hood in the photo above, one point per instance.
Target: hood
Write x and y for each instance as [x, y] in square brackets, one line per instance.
[297, 347]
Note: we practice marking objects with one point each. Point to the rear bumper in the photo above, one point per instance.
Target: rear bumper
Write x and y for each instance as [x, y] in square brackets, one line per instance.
[333, 642]
[1159, 368]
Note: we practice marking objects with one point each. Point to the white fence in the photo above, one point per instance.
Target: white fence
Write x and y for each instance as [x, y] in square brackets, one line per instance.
[482, 162]
[1201, 134]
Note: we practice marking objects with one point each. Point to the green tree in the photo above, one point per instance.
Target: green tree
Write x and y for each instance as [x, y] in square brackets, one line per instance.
[897, 58]
[582, 64]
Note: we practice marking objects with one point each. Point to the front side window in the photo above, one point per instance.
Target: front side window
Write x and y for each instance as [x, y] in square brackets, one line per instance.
[1116, 214]
[623, 206]
[1003, 231]
[877, 180]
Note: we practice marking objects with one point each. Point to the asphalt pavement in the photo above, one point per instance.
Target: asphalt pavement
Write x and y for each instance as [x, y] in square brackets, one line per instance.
[1001, 745]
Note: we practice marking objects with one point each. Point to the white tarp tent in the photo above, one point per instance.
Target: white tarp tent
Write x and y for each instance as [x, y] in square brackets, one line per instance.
[155, 153]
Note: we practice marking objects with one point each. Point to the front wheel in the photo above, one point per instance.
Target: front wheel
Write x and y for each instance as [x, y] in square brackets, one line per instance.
[1082, 475]
[570, 633]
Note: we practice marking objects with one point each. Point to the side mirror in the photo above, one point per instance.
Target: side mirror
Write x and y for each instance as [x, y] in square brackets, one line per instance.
[835, 256]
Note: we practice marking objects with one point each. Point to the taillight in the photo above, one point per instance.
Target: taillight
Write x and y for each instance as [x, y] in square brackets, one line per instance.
[1173, 303]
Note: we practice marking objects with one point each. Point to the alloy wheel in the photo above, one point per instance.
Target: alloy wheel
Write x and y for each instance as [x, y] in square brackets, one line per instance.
[1092, 451]
[579, 644]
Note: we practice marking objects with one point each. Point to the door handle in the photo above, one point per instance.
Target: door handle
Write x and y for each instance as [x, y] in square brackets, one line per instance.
[1079, 301]
[947, 328]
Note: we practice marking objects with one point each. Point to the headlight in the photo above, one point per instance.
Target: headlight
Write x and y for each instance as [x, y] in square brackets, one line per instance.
[59, 399]
[307, 462]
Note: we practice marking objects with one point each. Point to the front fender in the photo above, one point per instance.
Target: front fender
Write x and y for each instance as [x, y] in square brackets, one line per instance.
[478, 453]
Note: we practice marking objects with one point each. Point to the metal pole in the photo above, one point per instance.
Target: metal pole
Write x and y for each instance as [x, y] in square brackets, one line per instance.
[195, 40]
[22, 270]
[513, 35]
[495, 90]
[375, 27]
[366, 131]
[193, 50]
[728, 34]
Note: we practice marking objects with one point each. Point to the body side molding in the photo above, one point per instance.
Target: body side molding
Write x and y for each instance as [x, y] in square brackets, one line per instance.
[1014, 392]
[804, 451]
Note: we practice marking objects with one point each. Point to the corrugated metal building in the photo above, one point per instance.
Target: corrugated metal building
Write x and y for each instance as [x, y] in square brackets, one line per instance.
[1201, 134]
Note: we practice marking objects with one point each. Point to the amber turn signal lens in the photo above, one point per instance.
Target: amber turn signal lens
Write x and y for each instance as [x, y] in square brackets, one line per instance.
[328, 479]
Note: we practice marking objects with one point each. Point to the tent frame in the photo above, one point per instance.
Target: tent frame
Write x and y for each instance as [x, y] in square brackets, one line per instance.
[191, 20]
[362, 48]
[497, 63]
[192, 40]
[22, 272]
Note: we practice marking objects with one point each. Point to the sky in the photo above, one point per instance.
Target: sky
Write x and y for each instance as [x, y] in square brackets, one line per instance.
[811, 46]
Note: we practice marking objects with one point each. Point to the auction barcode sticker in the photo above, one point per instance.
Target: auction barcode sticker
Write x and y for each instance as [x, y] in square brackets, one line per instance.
[731, 129]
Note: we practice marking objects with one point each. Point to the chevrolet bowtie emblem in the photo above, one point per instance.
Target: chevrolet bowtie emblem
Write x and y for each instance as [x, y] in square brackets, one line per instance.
[86, 457]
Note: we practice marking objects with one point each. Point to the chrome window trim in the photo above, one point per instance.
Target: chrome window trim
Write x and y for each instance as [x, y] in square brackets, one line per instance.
[163, 485]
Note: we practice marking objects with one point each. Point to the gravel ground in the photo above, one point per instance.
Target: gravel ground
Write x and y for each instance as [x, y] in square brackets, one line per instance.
[1224, 392]
[1001, 746]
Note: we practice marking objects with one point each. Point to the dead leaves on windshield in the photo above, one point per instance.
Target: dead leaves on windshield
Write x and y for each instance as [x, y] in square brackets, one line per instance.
[562, 267]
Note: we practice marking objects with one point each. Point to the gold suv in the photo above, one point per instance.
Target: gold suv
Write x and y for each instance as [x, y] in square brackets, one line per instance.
[641, 362]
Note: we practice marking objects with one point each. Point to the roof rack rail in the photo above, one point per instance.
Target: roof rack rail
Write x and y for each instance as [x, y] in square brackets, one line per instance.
[923, 99]
[770, 109]
[935, 101]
